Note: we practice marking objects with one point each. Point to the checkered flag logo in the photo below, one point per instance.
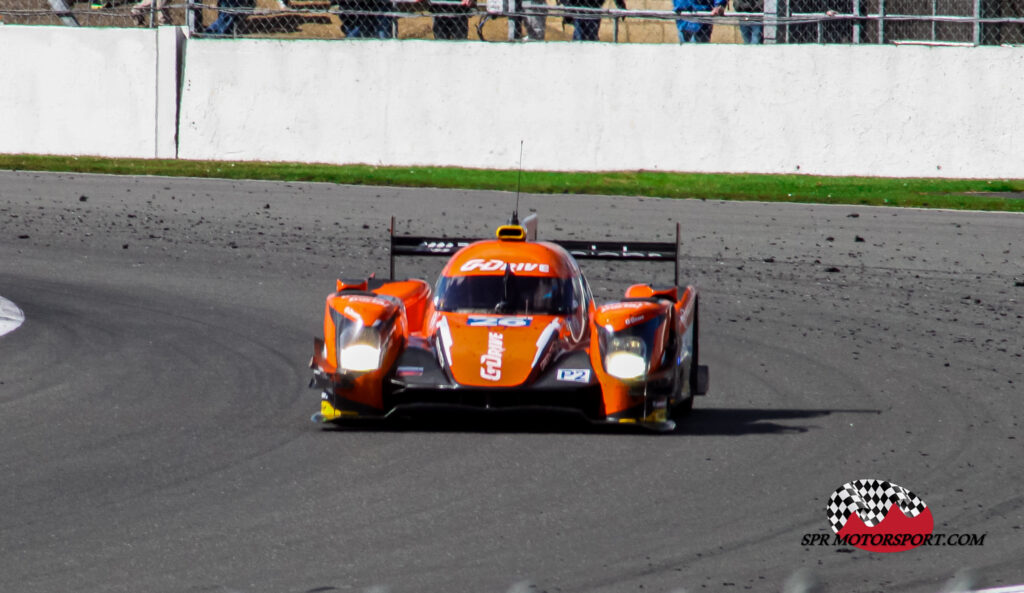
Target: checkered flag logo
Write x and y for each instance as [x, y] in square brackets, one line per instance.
[871, 500]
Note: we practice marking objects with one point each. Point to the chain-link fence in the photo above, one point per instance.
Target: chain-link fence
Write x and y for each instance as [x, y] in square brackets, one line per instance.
[90, 13]
[973, 22]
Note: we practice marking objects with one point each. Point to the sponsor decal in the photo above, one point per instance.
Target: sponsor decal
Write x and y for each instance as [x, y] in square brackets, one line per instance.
[495, 265]
[369, 300]
[441, 246]
[634, 319]
[490, 363]
[491, 321]
[623, 252]
[409, 371]
[574, 375]
[882, 516]
[626, 305]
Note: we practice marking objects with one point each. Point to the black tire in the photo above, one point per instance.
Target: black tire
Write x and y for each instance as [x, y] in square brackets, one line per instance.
[683, 408]
[699, 373]
[695, 357]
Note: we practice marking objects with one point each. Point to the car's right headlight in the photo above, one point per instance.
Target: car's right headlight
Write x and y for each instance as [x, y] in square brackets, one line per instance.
[626, 357]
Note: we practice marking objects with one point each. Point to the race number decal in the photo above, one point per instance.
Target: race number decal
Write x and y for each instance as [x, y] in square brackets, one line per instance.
[486, 321]
[574, 375]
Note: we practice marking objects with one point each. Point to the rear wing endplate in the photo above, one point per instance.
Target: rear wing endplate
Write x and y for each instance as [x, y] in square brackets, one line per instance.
[406, 245]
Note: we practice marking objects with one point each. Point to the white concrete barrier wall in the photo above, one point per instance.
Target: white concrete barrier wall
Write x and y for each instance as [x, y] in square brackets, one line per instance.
[93, 91]
[837, 110]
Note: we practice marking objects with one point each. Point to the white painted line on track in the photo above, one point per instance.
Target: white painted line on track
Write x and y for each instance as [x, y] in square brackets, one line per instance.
[10, 316]
[1010, 589]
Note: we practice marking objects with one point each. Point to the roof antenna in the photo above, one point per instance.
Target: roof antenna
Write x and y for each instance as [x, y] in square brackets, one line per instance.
[519, 179]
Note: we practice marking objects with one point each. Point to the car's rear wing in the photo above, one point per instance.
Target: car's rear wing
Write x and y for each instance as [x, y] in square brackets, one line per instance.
[411, 245]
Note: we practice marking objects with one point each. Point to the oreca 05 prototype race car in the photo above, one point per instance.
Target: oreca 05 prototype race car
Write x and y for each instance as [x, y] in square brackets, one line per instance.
[511, 324]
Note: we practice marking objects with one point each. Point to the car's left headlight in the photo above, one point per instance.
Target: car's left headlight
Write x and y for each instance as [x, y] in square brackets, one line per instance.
[361, 348]
[360, 358]
[626, 357]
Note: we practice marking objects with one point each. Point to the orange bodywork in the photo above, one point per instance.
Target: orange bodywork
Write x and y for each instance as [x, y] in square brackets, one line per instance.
[484, 349]
[676, 316]
[488, 258]
[389, 305]
[495, 356]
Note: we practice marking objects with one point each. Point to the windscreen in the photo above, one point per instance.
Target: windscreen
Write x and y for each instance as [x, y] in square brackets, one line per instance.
[538, 295]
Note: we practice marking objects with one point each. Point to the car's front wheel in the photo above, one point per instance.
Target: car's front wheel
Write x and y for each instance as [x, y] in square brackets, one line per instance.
[698, 379]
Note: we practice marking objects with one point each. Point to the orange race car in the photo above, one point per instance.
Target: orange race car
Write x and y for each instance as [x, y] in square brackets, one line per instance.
[511, 323]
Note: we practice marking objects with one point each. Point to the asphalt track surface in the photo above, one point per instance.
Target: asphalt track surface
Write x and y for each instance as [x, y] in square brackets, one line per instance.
[154, 431]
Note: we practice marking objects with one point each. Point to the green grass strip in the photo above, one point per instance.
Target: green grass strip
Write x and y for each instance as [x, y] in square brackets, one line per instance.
[956, 194]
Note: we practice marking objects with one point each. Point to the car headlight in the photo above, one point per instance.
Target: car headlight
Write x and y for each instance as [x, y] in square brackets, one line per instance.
[359, 358]
[626, 358]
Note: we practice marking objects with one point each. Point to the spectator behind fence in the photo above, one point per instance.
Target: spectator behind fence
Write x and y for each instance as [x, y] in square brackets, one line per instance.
[692, 31]
[228, 20]
[451, 18]
[586, 28]
[754, 32]
[373, 24]
[533, 27]
[142, 10]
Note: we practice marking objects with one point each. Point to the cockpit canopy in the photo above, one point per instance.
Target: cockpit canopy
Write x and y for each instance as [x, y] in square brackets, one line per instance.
[510, 278]
[509, 295]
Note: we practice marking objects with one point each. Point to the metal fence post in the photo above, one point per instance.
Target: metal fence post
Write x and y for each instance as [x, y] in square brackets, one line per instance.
[881, 22]
[935, 11]
[977, 23]
[771, 13]
[788, 13]
[856, 22]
